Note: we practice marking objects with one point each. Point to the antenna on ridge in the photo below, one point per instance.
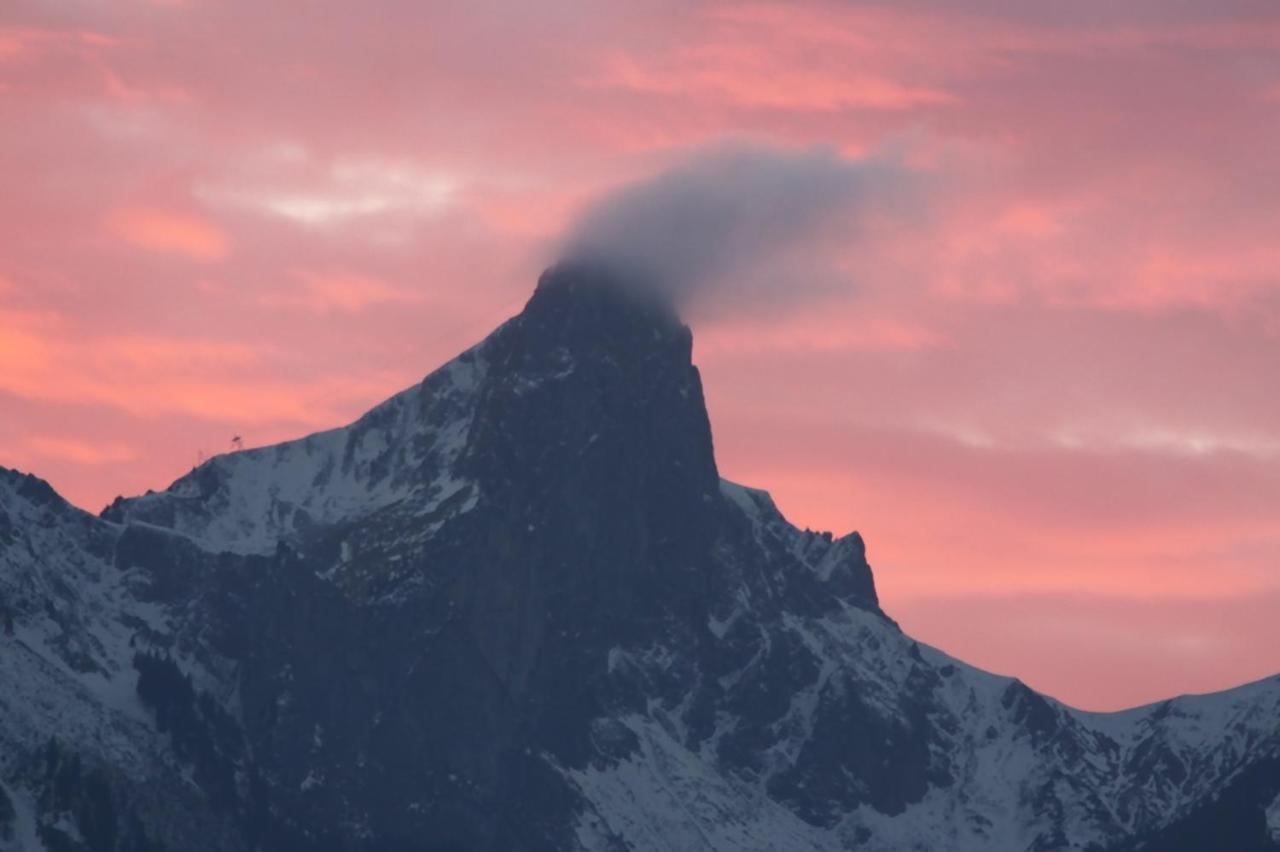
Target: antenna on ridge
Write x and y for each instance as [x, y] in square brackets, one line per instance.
[237, 443]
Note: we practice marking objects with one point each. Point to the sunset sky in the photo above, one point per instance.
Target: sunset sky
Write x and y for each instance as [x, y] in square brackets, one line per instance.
[1040, 377]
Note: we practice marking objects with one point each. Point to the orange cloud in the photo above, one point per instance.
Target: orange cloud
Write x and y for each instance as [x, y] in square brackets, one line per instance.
[45, 358]
[1028, 220]
[16, 42]
[11, 45]
[80, 452]
[344, 293]
[813, 334]
[752, 80]
[169, 233]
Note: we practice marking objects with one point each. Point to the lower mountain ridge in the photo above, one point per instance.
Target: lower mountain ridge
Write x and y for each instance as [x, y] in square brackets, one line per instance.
[516, 608]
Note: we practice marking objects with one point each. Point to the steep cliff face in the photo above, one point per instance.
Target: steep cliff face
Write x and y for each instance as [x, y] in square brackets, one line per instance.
[516, 607]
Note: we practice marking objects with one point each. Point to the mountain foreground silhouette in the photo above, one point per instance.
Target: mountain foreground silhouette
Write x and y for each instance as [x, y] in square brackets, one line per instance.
[516, 607]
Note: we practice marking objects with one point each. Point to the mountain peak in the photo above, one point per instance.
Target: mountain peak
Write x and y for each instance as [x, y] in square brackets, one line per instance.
[594, 378]
[595, 361]
[593, 304]
[30, 487]
[590, 445]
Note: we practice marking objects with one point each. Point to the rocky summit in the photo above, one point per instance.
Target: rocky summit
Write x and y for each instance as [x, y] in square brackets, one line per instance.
[516, 607]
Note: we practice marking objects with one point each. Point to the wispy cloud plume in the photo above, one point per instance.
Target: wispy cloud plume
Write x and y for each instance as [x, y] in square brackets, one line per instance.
[739, 227]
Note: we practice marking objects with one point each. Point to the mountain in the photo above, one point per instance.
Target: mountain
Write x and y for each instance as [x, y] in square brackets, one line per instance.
[517, 608]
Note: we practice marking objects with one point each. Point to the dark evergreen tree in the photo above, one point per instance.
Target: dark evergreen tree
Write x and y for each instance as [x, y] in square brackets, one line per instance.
[202, 733]
[7, 815]
[66, 783]
[96, 814]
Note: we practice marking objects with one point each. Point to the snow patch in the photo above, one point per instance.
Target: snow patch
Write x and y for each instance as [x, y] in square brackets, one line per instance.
[667, 797]
[26, 834]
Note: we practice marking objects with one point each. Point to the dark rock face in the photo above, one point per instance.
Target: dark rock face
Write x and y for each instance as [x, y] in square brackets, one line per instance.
[450, 706]
[516, 608]
[592, 450]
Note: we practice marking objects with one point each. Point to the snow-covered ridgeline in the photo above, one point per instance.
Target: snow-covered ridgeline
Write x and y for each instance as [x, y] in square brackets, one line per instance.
[405, 449]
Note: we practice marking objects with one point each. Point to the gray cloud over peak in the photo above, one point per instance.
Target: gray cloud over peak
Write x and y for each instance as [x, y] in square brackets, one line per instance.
[741, 227]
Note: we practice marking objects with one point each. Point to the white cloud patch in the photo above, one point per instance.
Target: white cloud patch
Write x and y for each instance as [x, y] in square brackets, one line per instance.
[344, 192]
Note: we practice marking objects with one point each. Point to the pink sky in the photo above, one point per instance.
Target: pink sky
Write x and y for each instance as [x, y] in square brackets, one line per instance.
[1047, 396]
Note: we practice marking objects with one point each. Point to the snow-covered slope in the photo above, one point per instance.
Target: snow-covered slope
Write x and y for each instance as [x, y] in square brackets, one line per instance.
[1015, 770]
[73, 732]
[516, 607]
[1005, 768]
[401, 452]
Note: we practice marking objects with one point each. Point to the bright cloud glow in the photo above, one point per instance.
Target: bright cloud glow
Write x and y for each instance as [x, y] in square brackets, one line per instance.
[349, 190]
